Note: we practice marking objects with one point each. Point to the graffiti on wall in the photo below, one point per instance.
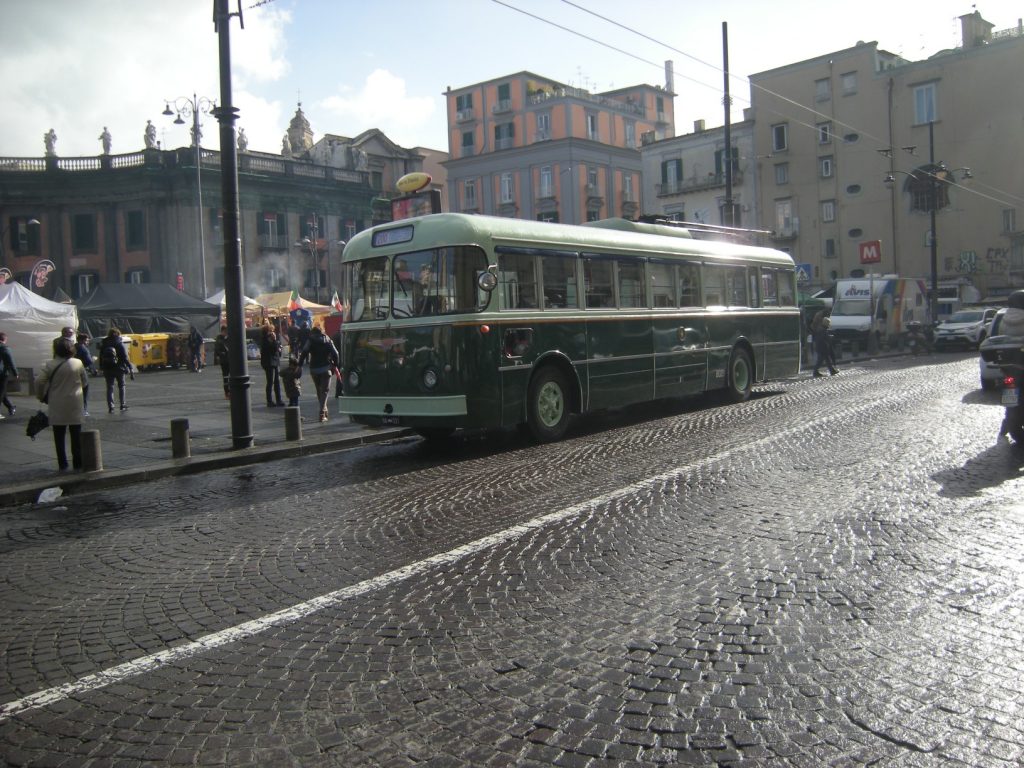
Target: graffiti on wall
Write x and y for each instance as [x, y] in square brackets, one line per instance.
[996, 261]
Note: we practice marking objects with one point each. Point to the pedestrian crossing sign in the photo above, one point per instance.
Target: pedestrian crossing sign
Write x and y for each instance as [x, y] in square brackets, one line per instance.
[803, 274]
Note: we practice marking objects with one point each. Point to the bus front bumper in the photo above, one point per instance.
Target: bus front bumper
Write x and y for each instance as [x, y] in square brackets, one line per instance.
[391, 409]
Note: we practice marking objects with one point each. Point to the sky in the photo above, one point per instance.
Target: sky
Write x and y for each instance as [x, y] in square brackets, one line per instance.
[80, 66]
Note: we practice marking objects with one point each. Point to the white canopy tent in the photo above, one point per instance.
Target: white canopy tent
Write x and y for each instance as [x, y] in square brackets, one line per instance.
[219, 298]
[32, 323]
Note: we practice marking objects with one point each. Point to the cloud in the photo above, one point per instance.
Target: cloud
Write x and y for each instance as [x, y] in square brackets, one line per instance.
[383, 102]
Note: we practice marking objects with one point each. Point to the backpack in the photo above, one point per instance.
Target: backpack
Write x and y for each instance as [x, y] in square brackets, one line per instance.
[108, 356]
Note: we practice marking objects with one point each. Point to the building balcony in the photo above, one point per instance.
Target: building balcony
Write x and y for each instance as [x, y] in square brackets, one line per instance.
[542, 136]
[275, 242]
[464, 115]
[631, 108]
[696, 184]
[505, 105]
[507, 143]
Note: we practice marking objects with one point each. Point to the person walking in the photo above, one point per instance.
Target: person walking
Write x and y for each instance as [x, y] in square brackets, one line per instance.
[270, 360]
[195, 350]
[824, 355]
[323, 359]
[66, 333]
[8, 371]
[82, 353]
[60, 386]
[114, 364]
[220, 357]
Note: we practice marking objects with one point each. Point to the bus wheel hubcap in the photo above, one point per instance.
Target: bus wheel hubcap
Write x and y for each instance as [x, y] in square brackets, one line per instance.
[740, 376]
[549, 404]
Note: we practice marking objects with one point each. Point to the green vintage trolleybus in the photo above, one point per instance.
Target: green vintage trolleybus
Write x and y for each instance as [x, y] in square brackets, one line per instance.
[456, 321]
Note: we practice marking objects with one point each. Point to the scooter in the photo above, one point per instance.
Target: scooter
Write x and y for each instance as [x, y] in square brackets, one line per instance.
[1010, 388]
[917, 341]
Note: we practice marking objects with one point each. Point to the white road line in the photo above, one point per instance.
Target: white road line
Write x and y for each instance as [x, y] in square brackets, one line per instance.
[301, 610]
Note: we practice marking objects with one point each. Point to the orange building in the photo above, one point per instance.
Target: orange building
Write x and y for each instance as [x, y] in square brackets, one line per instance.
[524, 146]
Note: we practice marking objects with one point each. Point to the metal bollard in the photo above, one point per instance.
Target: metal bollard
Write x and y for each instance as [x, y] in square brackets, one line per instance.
[181, 448]
[292, 423]
[92, 453]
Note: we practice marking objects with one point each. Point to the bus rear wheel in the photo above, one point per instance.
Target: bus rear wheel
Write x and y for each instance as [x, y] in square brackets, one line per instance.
[741, 376]
[547, 407]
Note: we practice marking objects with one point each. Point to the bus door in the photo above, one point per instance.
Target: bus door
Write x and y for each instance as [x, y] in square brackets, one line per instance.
[726, 297]
[678, 329]
[620, 351]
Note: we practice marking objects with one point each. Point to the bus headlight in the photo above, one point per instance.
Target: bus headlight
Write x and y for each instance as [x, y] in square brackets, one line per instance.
[353, 379]
[430, 378]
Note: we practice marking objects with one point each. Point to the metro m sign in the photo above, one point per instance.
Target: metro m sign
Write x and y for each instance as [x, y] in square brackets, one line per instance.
[870, 252]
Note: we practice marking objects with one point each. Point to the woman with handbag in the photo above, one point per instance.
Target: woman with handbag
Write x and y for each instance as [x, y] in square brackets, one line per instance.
[60, 385]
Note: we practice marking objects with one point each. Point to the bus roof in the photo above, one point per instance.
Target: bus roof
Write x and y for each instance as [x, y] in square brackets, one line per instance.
[441, 229]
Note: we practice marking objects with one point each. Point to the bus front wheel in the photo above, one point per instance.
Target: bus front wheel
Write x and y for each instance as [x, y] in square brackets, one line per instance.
[741, 376]
[547, 408]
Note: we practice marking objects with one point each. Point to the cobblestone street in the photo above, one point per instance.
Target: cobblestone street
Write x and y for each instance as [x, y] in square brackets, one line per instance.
[829, 574]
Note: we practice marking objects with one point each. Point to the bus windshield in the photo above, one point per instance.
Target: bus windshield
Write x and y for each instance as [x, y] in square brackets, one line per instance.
[436, 281]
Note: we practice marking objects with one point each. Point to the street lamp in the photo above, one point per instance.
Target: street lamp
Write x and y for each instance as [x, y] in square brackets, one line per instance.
[191, 108]
[935, 176]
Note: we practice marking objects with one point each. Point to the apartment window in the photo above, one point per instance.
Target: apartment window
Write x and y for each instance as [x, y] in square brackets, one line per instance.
[784, 216]
[312, 226]
[720, 161]
[85, 283]
[547, 188]
[83, 234]
[505, 92]
[830, 248]
[1009, 220]
[464, 102]
[924, 104]
[822, 90]
[825, 167]
[276, 278]
[824, 133]
[469, 195]
[136, 276]
[592, 179]
[627, 187]
[828, 210]
[24, 236]
[507, 188]
[630, 134]
[592, 132]
[467, 139]
[671, 175]
[543, 125]
[848, 82]
[780, 137]
[782, 173]
[504, 135]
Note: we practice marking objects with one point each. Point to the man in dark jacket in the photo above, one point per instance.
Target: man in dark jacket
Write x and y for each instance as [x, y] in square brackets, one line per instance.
[270, 361]
[115, 364]
[323, 362]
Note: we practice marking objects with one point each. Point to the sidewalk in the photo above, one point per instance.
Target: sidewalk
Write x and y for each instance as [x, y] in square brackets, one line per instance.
[136, 444]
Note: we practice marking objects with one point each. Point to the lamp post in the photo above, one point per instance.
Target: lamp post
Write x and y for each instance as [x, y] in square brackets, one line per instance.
[935, 176]
[310, 242]
[191, 108]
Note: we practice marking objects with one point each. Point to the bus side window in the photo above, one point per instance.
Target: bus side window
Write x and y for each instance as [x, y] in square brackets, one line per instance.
[559, 275]
[597, 276]
[785, 285]
[662, 290]
[714, 286]
[631, 284]
[736, 287]
[689, 285]
[769, 290]
[518, 282]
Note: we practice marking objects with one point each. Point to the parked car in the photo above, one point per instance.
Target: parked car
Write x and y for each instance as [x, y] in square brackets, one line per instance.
[968, 327]
[990, 349]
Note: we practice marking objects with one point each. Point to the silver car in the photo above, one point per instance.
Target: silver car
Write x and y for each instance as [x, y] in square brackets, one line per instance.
[967, 326]
[990, 373]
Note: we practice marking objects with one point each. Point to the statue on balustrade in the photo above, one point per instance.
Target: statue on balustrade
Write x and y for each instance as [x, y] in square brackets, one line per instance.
[50, 140]
[286, 146]
[106, 140]
[243, 140]
[150, 135]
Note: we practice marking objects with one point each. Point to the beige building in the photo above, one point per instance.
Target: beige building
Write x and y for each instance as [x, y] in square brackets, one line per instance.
[829, 130]
[684, 176]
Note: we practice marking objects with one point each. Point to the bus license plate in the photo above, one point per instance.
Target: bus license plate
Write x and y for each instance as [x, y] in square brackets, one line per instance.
[1011, 397]
[390, 421]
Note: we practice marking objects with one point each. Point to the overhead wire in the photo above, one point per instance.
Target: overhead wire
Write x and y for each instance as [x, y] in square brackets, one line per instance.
[746, 81]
